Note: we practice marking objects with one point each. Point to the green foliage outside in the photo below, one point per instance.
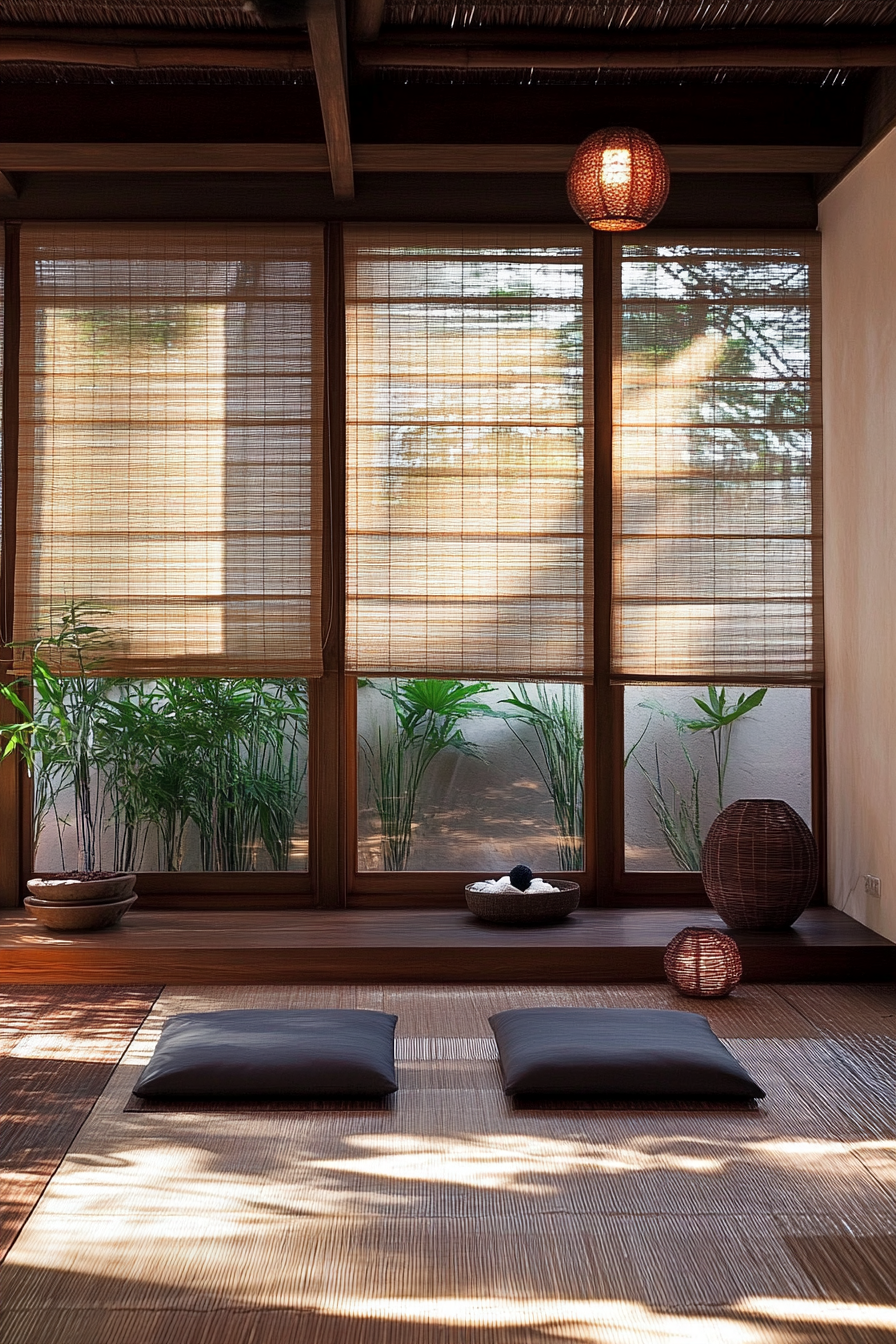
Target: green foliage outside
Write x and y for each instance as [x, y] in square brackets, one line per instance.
[752, 413]
[677, 810]
[141, 761]
[427, 718]
[556, 720]
[127, 329]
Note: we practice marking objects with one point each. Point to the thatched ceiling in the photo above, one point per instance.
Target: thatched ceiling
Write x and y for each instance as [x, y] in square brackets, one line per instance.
[584, 20]
[594, 14]
[622, 14]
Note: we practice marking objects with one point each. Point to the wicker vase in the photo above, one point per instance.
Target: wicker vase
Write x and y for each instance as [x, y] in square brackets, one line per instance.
[760, 864]
[702, 963]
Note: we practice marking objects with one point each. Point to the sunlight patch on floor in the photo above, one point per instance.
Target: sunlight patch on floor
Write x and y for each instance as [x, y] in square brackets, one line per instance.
[495, 1161]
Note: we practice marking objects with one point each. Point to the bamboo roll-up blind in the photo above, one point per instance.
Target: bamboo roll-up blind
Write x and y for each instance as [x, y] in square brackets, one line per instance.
[717, 461]
[170, 445]
[469, 544]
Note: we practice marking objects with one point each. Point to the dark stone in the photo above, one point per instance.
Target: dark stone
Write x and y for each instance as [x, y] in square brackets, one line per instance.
[521, 876]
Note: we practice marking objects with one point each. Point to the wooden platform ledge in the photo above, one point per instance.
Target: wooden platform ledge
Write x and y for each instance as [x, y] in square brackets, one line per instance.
[414, 946]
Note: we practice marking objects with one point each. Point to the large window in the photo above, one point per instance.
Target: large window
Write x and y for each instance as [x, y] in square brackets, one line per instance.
[717, 470]
[275, 649]
[469, 548]
[717, 530]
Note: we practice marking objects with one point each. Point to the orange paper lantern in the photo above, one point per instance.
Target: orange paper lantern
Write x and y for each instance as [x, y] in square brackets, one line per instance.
[618, 179]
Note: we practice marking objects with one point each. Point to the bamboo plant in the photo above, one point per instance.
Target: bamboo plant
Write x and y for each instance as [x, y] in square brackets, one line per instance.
[678, 811]
[555, 717]
[143, 762]
[427, 718]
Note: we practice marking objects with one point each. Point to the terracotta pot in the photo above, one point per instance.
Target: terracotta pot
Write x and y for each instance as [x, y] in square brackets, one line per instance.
[760, 864]
[76, 889]
[515, 907]
[74, 917]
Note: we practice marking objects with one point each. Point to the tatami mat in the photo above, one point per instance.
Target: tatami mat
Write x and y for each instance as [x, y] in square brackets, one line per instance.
[453, 1216]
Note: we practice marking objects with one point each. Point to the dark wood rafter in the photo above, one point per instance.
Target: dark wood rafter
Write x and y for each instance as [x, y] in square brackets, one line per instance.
[326, 31]
[395, 158]
[367, 18]
[160, 54]
[486, 47]
[524, 48]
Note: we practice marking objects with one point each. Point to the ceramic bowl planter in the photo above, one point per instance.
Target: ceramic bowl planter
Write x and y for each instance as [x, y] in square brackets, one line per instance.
[68, 903]
[78, 917]
[70, 887]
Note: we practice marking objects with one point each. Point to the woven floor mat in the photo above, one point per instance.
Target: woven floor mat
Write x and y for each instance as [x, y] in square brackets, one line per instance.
[449, 1214]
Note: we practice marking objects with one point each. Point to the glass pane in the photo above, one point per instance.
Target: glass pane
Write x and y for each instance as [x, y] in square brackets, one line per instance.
[475, 776]
[692, 750]
[717, 493]
[468, 454]
[189, 774]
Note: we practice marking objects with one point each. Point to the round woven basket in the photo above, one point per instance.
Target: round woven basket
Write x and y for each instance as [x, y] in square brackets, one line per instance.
[760, 864]
[516, 907]
[703, 963]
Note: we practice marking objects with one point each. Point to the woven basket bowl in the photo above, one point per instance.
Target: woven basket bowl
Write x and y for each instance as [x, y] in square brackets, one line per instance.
[702, 963]
[515, 907]
[760, 864]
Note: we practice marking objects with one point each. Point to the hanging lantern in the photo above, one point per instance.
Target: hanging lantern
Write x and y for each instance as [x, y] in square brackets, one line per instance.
[618, 179]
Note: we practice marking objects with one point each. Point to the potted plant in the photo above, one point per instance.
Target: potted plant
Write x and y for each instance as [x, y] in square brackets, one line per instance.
[60, 740]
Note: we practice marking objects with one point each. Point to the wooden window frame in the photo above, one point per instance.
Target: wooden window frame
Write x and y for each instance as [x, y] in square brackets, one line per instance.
[333, 880]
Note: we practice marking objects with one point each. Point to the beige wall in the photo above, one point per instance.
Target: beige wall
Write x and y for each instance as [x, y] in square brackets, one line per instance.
[858, 224]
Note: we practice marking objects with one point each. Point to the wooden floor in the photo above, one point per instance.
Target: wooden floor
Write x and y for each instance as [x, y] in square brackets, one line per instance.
[451, 1216]
[413, 946]
[58, 1048]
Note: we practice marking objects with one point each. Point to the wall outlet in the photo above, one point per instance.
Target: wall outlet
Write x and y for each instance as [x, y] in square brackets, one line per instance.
[872, 885]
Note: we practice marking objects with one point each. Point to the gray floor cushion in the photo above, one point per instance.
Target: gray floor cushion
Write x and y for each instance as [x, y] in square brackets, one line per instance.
[293, 1052]
[625, 1052]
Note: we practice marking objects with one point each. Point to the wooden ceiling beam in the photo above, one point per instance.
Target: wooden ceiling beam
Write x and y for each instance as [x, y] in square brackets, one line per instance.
[397, 158]
[804, 36]
[326, 32]
[122, 56]
[672, 50]
[367, 18]
[435, 48]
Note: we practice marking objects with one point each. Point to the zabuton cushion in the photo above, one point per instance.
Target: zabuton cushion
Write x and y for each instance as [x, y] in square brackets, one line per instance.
[625, 1052]
[264, 1053]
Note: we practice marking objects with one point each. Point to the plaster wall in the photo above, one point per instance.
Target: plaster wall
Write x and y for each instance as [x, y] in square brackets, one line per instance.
[858, 225]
